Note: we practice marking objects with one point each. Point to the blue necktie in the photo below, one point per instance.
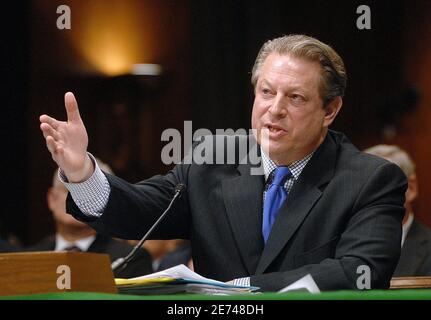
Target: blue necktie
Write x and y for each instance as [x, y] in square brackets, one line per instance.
[274, 198]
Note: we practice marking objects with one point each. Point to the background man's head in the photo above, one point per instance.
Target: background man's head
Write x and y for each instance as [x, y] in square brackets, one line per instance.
[299, 83]
[401, 158]
[56, 198]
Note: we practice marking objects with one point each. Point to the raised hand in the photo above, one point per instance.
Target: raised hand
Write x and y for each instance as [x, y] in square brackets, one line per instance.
[67, 141]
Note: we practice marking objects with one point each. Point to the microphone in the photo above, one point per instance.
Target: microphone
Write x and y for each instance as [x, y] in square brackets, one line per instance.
[122, 262]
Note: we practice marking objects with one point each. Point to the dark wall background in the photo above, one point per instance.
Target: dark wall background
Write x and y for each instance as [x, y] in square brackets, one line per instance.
[208, 50]
[14, 87]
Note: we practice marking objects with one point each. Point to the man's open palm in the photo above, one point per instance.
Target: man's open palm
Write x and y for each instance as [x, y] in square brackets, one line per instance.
[67, 140]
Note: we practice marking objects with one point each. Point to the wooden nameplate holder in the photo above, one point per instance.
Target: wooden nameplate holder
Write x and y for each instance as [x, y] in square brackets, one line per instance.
[27, 273]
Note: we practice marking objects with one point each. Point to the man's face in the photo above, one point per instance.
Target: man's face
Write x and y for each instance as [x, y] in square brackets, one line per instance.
[57, 204]
[288, 108]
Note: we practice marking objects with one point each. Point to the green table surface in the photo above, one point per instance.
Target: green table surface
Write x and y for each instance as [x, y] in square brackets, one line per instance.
[404, 294]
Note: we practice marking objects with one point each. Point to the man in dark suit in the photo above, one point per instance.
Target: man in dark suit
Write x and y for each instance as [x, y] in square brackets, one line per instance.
[139, 266]
[318, 206]
[73, 235]
[415, 257]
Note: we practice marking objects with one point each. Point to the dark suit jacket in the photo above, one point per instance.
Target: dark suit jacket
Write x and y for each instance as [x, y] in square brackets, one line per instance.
[415, 257]
[344, 211]
[139, 266]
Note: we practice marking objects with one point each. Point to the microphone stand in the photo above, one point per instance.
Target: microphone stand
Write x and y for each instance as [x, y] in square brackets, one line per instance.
[122, 262]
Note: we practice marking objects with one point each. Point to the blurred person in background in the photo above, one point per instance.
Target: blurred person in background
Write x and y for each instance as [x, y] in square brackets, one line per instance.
[8, 242]
[6, 246]
[74, 235]
[415, 257]
[169, 253]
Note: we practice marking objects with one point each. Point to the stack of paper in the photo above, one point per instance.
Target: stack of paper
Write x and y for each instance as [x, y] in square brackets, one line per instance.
[305, 284]
[179, 279]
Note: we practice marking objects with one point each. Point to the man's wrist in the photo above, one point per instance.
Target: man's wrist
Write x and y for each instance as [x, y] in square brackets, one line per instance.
[91, 196]
[84, 174]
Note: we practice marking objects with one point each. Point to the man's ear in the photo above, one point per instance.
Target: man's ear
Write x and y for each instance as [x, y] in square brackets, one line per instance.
[331, 111]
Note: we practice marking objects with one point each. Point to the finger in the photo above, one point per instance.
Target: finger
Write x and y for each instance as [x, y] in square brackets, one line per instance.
[51, 121]
[49, 131]
[71, 107]
[52, 146]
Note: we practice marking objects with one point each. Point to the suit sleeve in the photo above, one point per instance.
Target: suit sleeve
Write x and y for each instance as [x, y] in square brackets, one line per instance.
[133, 208]
[371, 239]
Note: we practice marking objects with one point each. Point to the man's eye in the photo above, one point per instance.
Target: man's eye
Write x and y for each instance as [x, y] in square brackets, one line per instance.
[266, 91]
[297, 97]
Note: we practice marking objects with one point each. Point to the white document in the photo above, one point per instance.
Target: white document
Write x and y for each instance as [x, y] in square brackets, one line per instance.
[182, 272]
[178, 272]
[306, 283]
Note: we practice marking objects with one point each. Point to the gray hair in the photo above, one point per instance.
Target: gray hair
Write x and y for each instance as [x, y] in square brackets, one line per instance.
[334, 77]
[103, 166]
[396, 155]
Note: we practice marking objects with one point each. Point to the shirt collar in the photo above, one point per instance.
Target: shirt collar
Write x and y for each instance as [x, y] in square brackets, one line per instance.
[83, 244]
[295, 167]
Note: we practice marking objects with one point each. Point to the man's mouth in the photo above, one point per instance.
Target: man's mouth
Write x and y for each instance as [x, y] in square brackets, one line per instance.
[274, 128]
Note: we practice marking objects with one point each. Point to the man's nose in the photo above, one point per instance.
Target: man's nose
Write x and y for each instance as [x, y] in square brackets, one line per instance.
[278, 106]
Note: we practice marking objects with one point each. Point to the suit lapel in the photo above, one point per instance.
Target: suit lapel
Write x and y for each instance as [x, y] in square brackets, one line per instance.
[243, 200]
[301, 199]
[242, 195]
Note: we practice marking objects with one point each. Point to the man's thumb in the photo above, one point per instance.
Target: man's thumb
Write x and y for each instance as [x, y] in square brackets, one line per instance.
[71, 107]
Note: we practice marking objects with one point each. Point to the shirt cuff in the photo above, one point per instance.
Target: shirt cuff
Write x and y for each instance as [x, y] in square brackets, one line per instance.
[91, 196]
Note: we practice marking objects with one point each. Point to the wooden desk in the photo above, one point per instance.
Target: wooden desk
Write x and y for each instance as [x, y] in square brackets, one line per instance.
[410, 283]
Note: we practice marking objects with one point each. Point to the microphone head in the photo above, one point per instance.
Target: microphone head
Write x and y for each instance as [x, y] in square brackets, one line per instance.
[180, 187]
